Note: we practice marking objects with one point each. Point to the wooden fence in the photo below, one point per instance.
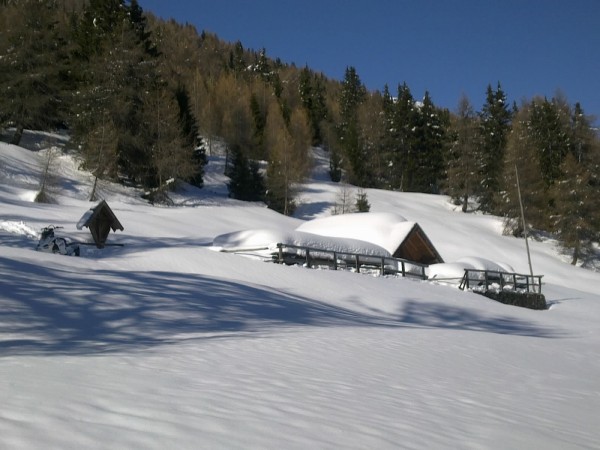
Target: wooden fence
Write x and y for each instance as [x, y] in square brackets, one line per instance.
[486, 279]
[312, 257]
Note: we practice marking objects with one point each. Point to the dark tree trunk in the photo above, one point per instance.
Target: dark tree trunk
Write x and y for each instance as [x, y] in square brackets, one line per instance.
[575, 254]
[16, 139]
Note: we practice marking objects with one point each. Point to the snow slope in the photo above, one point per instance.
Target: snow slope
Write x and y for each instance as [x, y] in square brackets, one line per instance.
[162, 343]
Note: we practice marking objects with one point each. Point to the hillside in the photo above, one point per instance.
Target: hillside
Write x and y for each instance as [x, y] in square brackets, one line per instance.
[160, 342]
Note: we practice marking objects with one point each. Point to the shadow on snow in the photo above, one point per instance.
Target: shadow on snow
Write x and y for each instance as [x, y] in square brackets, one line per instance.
[57, 311]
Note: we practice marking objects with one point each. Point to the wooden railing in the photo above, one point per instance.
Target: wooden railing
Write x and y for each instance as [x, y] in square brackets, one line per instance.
[486, 279]
[312, 257]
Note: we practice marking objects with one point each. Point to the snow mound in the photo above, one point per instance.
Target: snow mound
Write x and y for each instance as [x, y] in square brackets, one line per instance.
[19, 228]
[477, 263]
[455, 270]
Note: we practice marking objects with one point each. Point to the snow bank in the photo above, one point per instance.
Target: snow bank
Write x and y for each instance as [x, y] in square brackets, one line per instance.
[19, 228]
[454, 271]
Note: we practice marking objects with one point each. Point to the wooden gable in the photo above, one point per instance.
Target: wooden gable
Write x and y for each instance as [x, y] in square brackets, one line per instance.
[417, 247]
[100, 220]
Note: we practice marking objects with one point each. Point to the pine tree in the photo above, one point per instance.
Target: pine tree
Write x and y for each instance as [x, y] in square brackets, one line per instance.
[190, 135]
[390, 176]
[237, 63]
[373, 141]
[353, 94]
[403, 159]
[259, 120]
[118, 72]
[429, 148]
[262, 67]
[246, 183]
[33, 51]
[312, 95]
[335, 166]
[494, 126]
[362, 203]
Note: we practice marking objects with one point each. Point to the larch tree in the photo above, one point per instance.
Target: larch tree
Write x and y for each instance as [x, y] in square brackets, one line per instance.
[462, 164]
[583, 136]
[577, 208]
[171, 155]
[522, 156]
[288, 160]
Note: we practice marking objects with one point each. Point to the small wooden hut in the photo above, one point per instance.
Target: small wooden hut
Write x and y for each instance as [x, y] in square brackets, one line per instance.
[100, 220]
[402, 239]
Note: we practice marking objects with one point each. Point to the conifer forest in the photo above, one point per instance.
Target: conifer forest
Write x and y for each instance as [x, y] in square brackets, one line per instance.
[145, 101]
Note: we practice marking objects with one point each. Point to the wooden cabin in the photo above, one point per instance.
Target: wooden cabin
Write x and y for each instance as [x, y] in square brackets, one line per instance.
[402, 239]
[100, 220]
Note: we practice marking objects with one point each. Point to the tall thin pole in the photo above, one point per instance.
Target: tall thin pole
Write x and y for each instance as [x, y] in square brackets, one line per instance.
[524, 224]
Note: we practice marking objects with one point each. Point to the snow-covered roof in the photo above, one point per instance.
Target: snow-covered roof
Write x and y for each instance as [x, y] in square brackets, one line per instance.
[85, 219]
[265, 241]
[390, 231]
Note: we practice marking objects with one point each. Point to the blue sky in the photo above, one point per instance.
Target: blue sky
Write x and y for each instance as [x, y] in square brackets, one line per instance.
[448, 47]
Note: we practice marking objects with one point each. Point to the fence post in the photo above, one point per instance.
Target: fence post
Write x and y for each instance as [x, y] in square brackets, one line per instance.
[357, 264]
[280, 256]
[382, 266]
[403, 268]
[308, 258]
[335, 261]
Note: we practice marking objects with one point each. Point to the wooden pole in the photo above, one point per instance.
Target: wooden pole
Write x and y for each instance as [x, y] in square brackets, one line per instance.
[524, 226]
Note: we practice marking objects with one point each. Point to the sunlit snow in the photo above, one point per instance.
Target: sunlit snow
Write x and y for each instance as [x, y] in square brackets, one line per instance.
[158, 342]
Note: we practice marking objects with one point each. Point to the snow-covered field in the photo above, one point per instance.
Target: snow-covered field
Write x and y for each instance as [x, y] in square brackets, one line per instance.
[161, 342]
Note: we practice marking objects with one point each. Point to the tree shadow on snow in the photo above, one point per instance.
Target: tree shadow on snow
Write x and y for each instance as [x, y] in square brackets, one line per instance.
[435, 315]
[58, 311]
